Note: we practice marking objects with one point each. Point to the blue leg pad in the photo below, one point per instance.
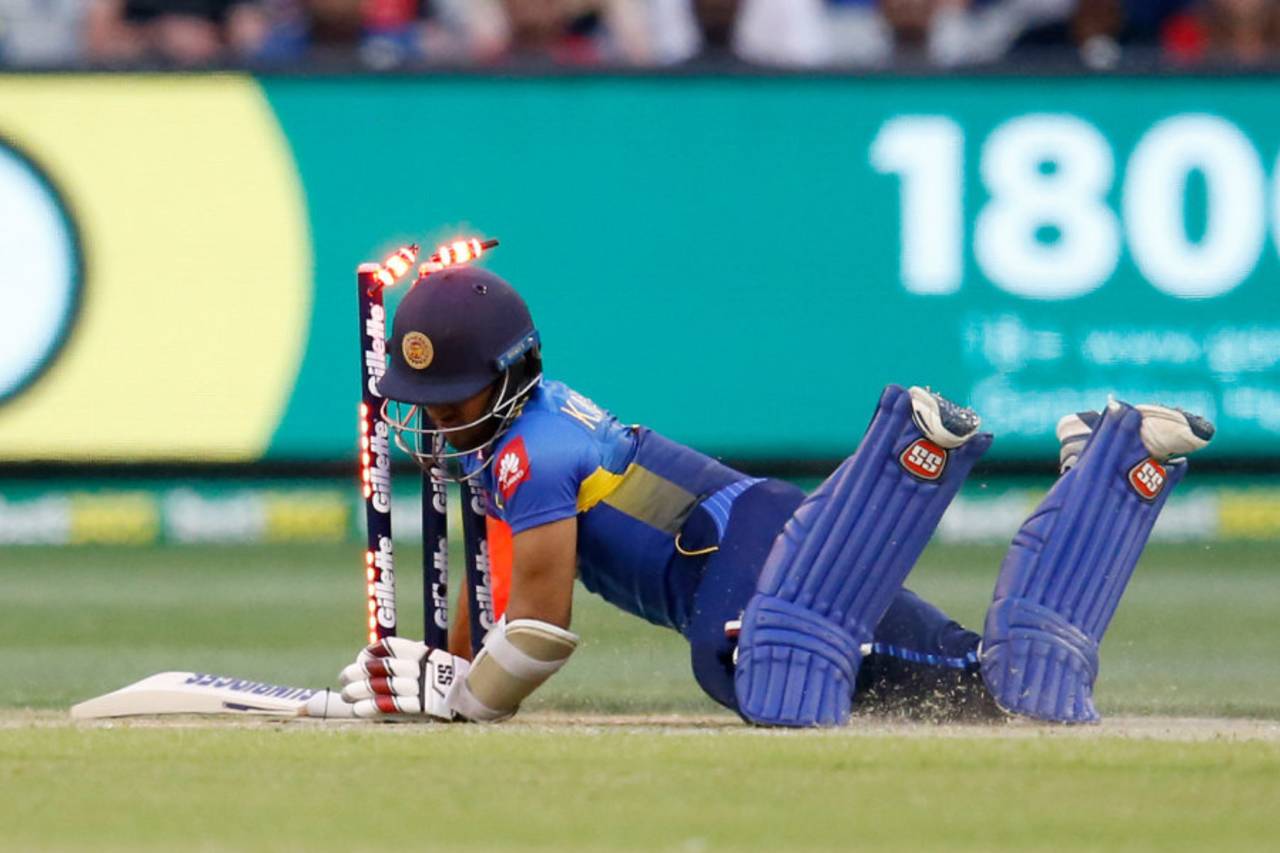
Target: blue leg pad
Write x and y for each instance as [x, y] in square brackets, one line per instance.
[836, 566]
[802, 666]
[1062, 578]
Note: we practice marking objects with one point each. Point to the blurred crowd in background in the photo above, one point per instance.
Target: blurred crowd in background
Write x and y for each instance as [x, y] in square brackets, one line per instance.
[386, 34]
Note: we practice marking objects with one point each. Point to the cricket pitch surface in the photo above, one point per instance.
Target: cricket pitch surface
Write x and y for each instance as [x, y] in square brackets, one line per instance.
[1158, 728]
[590, 781]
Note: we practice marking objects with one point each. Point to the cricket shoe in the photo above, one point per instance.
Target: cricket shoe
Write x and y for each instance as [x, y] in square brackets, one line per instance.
[942, 421]
[1073, 434]
[1168, 432]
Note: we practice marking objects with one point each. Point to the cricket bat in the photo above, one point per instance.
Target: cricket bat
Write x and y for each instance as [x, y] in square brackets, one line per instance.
[206, 693]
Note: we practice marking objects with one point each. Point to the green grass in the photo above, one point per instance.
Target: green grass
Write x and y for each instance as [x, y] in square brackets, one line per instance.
[1197, 632]
[470, 788]
[1197, 635]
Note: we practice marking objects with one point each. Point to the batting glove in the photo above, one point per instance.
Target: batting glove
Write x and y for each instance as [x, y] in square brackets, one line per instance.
[396, 678]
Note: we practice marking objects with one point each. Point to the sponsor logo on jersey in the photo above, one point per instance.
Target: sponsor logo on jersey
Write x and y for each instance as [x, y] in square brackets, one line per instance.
[418, 350]
[512, 468]
[1148, 478]
[924, 459]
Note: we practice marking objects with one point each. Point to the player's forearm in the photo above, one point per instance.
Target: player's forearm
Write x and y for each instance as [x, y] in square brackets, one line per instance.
[555, 609]
[517, 657]
[544, 566]
[532, 641]
[527, 646]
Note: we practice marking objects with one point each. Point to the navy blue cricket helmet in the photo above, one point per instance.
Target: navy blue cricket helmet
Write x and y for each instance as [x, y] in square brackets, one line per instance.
[454, 333]
[457, 332]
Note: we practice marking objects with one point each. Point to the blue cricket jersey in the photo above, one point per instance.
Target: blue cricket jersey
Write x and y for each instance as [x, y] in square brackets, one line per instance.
[648, 509]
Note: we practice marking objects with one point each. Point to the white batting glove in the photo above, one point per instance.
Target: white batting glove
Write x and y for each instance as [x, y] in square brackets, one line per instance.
[396, 678]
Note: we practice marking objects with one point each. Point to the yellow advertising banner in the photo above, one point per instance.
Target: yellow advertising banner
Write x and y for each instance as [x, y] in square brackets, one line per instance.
[172, 299]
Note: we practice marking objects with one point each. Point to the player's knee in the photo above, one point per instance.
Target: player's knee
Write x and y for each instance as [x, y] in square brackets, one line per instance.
[795, 667]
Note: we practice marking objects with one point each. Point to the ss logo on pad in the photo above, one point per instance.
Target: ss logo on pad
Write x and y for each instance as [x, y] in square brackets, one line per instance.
[924, 459]
[1147, 479]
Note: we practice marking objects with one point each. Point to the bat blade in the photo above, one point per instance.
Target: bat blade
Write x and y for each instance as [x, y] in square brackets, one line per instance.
[207, 693]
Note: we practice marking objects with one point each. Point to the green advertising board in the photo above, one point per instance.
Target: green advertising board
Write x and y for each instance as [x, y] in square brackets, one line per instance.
[742, 263]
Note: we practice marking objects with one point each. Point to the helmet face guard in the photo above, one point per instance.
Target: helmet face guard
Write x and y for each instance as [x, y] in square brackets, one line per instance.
[429, 446]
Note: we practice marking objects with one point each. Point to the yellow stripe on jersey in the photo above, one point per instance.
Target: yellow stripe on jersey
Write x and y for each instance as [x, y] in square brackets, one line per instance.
[598, 486]
[641, 494]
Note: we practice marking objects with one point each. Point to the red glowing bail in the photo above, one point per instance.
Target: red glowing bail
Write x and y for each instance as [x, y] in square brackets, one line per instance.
[452, 254]
[396, 265]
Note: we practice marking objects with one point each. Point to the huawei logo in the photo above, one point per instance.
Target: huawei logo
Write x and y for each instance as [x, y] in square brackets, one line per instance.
[513, 467]
[509, 470]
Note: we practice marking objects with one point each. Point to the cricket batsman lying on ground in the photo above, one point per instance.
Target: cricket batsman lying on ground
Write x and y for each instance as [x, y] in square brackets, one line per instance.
[793, 605]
